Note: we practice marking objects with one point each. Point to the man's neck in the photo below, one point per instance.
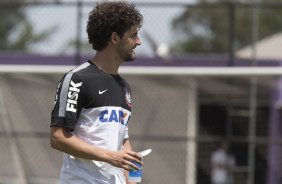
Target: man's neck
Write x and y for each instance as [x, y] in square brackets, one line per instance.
[106, 62]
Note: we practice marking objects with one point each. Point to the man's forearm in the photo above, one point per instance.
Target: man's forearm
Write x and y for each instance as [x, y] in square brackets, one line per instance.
[66, 142]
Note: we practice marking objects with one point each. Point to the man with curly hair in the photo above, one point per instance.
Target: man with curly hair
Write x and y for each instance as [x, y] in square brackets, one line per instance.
[89, 121]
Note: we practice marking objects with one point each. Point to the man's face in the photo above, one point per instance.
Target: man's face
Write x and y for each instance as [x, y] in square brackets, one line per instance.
[128, 43]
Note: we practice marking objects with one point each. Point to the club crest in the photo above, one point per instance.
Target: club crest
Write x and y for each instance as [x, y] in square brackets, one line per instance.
[128, 97]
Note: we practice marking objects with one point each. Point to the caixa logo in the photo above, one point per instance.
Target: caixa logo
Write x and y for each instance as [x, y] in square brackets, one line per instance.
[73, 96]
[114, 116]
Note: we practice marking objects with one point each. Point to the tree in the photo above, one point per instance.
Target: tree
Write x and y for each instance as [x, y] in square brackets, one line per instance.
[16, 31]
[205, 28]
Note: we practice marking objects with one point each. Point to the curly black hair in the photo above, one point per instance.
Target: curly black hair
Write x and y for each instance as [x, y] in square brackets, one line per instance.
[109, 17]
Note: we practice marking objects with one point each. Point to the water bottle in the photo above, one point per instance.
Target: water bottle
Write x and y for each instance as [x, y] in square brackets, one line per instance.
[135, 175]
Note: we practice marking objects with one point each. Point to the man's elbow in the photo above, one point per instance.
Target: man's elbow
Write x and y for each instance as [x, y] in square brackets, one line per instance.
[56, 138]
[54, 142]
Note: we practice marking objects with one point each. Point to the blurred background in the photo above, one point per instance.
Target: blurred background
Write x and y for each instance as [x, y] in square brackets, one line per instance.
[207, 71]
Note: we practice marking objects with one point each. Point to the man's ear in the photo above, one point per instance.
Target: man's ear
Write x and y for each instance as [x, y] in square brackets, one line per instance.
[115, 38]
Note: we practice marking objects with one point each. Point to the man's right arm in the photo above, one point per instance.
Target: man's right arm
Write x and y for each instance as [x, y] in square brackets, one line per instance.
[61, 139]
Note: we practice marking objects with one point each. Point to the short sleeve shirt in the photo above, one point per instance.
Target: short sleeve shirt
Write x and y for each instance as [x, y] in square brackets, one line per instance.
[96, 107]
[221, 175]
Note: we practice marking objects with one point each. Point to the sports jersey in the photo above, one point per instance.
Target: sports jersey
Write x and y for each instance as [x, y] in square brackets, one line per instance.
[222, 175]
[96, 107]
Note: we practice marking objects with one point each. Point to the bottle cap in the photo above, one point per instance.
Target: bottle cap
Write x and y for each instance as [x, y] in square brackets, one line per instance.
[145, 152]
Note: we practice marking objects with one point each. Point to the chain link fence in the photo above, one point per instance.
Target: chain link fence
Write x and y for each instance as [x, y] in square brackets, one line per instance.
[59, 28]
[159, 121]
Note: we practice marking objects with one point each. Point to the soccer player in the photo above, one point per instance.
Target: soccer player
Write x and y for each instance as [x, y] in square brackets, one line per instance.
[89, 122]
[222, 165]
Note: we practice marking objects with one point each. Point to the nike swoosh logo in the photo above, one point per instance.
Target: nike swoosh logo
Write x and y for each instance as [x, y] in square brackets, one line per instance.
[101, 92]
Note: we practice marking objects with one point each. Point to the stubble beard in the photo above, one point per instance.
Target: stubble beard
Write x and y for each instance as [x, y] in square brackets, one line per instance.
[130, 57]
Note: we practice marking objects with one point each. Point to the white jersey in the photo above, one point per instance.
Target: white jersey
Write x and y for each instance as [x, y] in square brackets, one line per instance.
[221, 175]
[96, 107]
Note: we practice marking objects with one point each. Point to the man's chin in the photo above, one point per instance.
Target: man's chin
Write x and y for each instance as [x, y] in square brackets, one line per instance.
[130, 58]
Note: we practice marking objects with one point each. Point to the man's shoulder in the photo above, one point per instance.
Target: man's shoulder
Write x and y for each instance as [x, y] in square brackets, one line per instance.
[85, 71]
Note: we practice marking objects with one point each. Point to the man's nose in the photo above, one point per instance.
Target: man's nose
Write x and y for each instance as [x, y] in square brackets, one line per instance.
[138, 41]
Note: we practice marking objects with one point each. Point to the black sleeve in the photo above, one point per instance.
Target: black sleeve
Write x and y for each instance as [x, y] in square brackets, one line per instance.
[68, 102]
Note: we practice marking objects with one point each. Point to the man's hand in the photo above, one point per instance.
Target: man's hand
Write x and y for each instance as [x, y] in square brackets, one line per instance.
[124, 159]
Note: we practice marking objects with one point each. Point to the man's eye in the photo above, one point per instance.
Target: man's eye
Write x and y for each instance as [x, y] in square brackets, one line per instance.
[134, 37]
